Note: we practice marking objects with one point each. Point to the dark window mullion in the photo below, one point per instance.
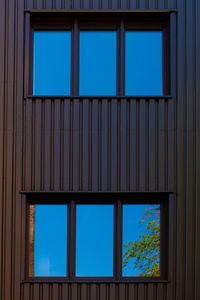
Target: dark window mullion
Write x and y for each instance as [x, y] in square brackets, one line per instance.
[72, 240]
[75, 60]
[119, 240]
[121, 60]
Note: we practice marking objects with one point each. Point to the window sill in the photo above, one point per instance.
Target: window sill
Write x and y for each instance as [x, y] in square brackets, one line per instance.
[99, 281]
[38, 97]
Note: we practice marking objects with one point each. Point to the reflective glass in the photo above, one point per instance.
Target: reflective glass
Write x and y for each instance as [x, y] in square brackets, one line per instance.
[97, 63]
[94, 240]
[48, 240]
[51, 63]
[141, 240]
[143, 63]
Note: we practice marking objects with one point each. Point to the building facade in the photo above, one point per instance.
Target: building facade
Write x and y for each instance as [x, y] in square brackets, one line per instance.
[68, 146]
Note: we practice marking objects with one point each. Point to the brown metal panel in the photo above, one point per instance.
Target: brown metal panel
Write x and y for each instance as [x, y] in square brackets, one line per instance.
[141, 291]
[123, 146]
[47, 145]
[55, 295]
[26, 291]
[37, 144]
[103, 292]
[2, 87]
[160, 291]
[18, 150]
[93, 291]
[76, 145]
[66, 144]
[142, 145]
[152, 146]
[181, 152]
[162, 146]
[104, 144]
[56, 139]
[28, 145]
[36, 291]
[151, 292]
[112, 291]
[122, 291]
[95, 145]
[84, 292]
[115, 127]
[65, 291]
[45, 291]
[197, 208]
[133, 145]
[74, 291]
[85, 146]
[131, 291]
[190, 158]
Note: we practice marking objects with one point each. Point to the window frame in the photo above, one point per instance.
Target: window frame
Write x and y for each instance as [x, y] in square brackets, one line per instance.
[85, 21]
[117, 199]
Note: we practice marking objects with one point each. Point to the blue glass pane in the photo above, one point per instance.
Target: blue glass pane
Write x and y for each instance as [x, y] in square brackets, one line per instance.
[143, 63]
[94, 240]
[52, 63]
[141, 240]
[97, 63]
[50, 240]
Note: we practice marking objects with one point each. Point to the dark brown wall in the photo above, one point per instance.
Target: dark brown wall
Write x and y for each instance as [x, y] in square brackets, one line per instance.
[102, 145]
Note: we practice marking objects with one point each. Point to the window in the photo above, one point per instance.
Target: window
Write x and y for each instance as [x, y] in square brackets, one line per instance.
[97, 237]
[87, 57]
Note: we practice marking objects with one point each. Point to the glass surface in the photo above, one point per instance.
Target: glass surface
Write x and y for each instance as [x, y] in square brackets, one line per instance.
[143, 63]
[97, 63]
[48, 240]
[94, 240]
[141, 240]
[51, 63]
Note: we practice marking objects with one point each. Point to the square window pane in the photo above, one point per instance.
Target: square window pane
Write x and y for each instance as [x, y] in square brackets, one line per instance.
[94, 240]
[48, 240]
[141, 240]
[52, 63]
[143, 63]
[97, 74]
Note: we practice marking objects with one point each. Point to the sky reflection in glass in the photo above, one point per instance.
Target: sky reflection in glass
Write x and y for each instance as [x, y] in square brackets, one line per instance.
[143, 63]
[52, 63]
[98, 56]
[50, 248]
[94, 240]
[133, 228]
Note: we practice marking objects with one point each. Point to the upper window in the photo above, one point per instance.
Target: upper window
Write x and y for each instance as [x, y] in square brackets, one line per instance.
[100, 59]
[51, 63]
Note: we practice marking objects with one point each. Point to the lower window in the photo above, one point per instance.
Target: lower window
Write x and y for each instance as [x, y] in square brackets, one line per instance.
[97, 237]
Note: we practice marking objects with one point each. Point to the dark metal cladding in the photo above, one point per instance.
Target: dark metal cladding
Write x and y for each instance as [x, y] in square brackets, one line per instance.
[100, 144]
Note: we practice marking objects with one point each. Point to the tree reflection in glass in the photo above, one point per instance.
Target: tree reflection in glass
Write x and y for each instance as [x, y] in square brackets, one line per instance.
[141, 240]
[47, 240]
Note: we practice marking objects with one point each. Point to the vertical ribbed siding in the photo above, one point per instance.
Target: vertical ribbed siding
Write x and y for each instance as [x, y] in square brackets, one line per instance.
[100, 4]
[11, 95]
[101, 291]
[98, 145]
[57, 157]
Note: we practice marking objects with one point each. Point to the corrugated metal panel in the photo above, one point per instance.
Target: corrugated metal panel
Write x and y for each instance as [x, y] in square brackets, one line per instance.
[106, 145]
[84, 291]
[71, 145]
[100, 4]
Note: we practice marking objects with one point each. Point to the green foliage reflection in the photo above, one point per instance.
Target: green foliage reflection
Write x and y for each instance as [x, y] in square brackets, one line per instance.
[144, 253]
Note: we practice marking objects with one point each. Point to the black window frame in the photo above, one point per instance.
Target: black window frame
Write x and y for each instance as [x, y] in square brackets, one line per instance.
[121, 22]
[117, 199]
